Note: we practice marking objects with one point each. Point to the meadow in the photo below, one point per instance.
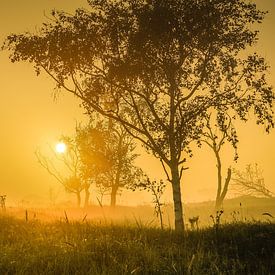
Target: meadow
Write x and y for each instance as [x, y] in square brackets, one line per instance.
[239, 209]
[35, 247]
[76, 244]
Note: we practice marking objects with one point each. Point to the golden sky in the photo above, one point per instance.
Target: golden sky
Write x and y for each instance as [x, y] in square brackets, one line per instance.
[29, 117]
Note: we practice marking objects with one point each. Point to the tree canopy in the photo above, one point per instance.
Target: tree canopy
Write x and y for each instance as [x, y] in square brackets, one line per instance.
[108, 154]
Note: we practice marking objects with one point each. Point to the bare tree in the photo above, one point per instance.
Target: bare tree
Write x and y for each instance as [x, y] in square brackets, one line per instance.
[71, 178]
[251, 181]
[101, 191]
[156, 188]
[215, 137]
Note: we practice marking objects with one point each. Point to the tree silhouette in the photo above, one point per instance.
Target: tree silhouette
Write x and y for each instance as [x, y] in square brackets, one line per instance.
[70, 162]
[215, 137]
[113, 156]
[156, 67]
[156, 188]
[251, 181]
[94, 156]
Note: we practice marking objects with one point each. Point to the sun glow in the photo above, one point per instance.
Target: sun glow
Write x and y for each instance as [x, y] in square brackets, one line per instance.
[60, 147]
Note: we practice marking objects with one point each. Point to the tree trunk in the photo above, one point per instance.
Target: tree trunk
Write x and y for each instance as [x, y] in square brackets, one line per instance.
[178, 209]
[87, 196]
[218, 204]
[113, 195]
[219, 189]
[160, 217]
[220, 200]
[78, 198]
[115, 184]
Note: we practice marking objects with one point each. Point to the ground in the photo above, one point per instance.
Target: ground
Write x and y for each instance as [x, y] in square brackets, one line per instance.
[74, 244]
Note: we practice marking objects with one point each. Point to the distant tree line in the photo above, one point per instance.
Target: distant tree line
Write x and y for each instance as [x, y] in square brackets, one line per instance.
[100, 153]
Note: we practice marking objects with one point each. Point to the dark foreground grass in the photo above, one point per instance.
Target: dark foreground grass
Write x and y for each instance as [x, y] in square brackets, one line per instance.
[85, 248]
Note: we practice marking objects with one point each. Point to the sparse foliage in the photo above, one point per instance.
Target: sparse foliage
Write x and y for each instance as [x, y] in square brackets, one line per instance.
[215, 137]
[157, 67]
[251, 181]
[95, 157]
[70, 161]
[101, 152]
[113, 157]
[101, 191]
[156, 188]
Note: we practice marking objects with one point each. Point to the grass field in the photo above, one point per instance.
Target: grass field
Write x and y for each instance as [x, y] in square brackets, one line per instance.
[127, 240]
[70, 247]
[238, 209]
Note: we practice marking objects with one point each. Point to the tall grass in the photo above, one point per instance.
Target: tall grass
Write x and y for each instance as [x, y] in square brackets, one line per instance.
[33, 247]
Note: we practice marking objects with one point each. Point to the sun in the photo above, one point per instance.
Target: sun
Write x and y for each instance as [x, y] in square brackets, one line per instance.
[60, 147]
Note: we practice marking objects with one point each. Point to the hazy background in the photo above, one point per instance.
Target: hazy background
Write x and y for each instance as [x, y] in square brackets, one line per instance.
[31, 118]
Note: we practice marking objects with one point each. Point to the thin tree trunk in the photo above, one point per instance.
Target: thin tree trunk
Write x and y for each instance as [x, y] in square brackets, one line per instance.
[78, 198]
[225, 189]
[160, 217]
[227, 181]
[219, 189]
[218, 204]
[87, 196]
[115, 184]
[178, 209]
[113, 195]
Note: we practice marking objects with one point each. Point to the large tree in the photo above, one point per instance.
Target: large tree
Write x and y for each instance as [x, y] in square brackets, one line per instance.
[156, 66]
